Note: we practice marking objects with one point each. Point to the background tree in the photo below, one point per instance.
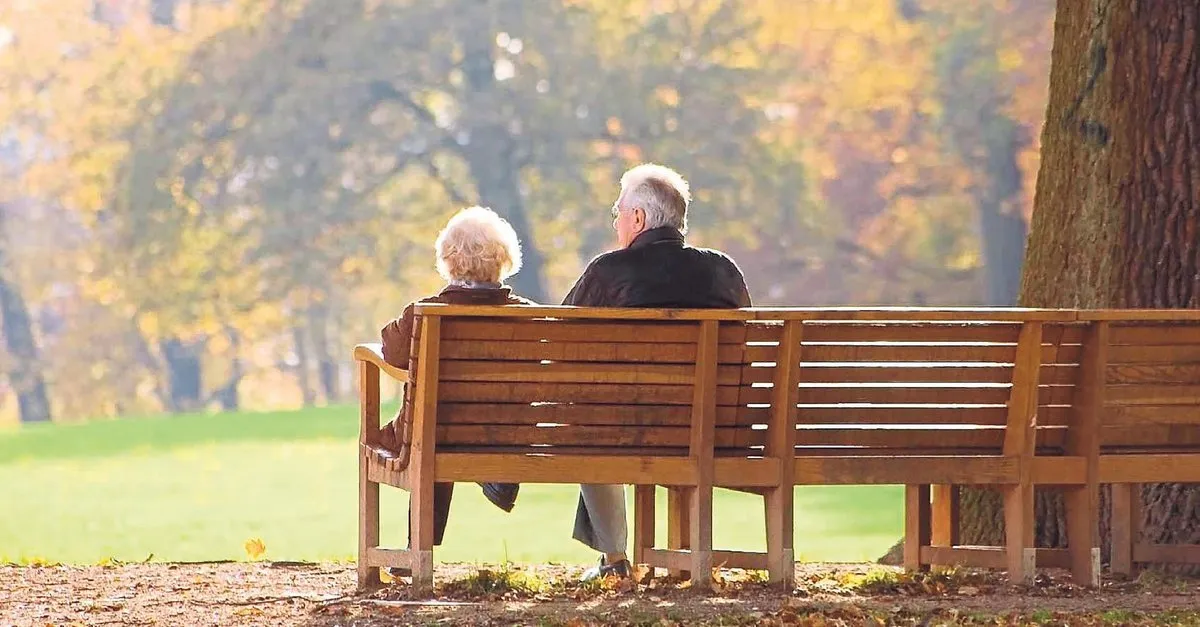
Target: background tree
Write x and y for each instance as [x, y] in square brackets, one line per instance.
[293, 137]
[30, 65]
[232, 191]
[24, 359]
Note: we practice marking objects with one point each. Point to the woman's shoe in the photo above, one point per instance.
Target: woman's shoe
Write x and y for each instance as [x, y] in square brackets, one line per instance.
[502, 495]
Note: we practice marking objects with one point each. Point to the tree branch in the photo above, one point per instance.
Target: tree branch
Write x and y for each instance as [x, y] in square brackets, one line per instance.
[382, 91]
[846, 245]
[451, 190]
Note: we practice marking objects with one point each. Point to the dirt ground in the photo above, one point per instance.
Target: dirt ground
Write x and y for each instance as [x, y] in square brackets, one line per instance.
[264, 593]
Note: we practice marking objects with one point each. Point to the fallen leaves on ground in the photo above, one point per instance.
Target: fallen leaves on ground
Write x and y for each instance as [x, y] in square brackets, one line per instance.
[322, 595]
[255, 547]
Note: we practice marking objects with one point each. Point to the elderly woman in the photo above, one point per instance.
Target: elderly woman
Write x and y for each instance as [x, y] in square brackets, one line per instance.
[476, 252]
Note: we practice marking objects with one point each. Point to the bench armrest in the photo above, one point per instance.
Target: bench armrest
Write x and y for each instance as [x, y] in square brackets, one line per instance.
[373, 353]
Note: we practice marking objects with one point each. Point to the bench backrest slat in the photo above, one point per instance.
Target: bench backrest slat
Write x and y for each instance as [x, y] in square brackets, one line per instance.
[916, 387]
[568, 386]
[1152, 392]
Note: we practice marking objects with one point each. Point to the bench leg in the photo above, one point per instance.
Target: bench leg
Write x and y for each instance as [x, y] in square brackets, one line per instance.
[1126, 524]
[781, 561]
[918, 521]
[944, 531]
[368, 527]
[1019, 533]
[701, 536]
[678, 525]
[421, 524]
[643, 522]
[1083, 534]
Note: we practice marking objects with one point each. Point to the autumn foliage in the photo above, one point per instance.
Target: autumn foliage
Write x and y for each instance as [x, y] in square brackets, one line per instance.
[205, 203]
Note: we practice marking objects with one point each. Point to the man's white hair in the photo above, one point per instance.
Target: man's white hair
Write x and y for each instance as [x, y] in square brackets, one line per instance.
[660, 191]
[478, 245]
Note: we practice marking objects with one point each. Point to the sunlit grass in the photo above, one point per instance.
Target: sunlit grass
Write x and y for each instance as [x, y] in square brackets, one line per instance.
[198, 487]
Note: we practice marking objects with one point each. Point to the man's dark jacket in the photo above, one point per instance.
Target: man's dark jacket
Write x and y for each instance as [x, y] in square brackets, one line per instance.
[659, 270]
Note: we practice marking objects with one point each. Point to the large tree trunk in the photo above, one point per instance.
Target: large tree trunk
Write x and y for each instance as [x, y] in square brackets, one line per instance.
[491, 150]
[1116, 221]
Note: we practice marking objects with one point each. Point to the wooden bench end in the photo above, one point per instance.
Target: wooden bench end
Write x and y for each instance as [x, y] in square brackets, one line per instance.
[373, 354]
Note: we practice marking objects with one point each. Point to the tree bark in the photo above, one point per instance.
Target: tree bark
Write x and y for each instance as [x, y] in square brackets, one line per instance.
[25, 375]
[1116, 221]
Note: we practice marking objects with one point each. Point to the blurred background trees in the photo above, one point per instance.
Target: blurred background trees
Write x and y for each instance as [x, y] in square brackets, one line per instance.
[204, 203]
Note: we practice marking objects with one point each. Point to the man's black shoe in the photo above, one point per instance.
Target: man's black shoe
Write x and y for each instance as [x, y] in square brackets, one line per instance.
[621, 569]
[502, 495]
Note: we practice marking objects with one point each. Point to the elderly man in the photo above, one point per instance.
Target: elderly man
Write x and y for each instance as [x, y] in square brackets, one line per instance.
[653, 267]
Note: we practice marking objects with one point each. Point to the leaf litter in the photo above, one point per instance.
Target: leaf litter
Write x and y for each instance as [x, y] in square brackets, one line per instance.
[319, 595]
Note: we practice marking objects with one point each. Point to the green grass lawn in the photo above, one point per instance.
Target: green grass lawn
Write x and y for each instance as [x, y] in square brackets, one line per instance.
[198, 487]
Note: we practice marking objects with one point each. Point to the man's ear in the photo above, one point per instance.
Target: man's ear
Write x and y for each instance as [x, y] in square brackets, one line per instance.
[639, 219]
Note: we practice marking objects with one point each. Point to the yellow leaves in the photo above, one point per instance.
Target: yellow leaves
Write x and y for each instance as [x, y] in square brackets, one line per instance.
[148, 323]
[87, 84]
[667, 95]
[627, 152]
[642, 574]
[356, 265]
[104, 290]
[37, 562]
[966, 259]
[1010, 59]
[719, 583]
[255, 548]
[239, 122]
[613, 125]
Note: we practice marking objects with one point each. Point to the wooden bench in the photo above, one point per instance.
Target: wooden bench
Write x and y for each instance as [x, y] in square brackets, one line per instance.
[763, 400]
[564, 395]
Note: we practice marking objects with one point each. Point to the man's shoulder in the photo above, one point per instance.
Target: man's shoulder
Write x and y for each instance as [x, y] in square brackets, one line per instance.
[713, 255]
[635, 257]
[611, 257]
[715, 252]
[606, 262]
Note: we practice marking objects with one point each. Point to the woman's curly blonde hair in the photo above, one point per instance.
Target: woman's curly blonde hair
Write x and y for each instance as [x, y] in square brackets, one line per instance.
[477, 245]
